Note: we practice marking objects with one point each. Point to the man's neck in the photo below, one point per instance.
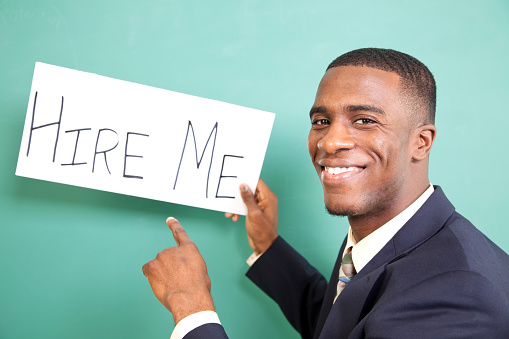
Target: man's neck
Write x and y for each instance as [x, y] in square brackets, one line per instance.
[363, 225]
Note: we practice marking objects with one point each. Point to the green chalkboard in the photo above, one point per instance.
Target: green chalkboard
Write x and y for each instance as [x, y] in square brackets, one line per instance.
[70, 258]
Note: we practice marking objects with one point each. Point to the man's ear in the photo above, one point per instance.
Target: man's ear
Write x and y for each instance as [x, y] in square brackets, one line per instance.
[423, 136]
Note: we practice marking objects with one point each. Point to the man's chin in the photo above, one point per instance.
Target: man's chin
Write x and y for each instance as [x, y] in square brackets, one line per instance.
[341, 212]
[337, 203]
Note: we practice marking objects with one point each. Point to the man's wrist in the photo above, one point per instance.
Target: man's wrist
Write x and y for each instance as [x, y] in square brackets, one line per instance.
[260, 247]
[183, 305]
[255, 255]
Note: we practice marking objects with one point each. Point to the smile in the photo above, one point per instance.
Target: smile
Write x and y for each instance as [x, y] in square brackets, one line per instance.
[337, 175]
[339, 170]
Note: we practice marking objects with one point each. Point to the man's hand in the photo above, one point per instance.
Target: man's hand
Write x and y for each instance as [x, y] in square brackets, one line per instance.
[261, 219]
[178, 276]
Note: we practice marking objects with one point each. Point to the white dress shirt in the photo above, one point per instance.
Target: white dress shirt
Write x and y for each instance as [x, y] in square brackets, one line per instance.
[362, 252]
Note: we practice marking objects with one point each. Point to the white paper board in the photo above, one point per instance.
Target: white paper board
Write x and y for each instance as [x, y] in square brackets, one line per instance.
[87, 130]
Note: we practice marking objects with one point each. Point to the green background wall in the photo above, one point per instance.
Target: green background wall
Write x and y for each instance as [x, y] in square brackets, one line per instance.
[70, 258]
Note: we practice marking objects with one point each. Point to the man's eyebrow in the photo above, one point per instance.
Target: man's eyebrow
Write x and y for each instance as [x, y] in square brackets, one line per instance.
[370, 108]
[317, 109]
[350, 108]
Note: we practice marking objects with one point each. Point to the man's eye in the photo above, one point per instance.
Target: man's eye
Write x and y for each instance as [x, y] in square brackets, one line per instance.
[364, 121]
[320, 122]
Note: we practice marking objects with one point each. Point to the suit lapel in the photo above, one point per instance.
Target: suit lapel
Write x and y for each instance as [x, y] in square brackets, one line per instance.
[330, 294]
[353, 304]
[359, 296]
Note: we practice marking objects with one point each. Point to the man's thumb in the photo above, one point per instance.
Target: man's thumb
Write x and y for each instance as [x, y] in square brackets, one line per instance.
[247, 196]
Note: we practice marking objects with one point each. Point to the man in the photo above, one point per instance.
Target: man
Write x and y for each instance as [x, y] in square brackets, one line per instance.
[412, 267]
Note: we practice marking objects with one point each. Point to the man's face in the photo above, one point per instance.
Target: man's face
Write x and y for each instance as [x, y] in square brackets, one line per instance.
[359, 140]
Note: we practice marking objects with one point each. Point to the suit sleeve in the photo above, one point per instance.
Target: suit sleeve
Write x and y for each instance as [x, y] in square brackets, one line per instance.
[296, 286]
[440, 307]
[207, 331]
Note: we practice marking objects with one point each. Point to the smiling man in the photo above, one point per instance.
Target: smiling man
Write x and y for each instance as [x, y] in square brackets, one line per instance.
[410, 266]
[369, 150]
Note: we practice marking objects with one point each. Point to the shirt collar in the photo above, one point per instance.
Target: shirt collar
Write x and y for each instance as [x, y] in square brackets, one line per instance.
[364, 250]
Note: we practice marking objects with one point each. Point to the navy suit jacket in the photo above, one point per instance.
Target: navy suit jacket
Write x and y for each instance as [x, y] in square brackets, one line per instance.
[438, 277]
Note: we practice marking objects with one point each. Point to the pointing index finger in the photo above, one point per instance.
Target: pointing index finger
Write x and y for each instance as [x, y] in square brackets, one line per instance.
[179, 234]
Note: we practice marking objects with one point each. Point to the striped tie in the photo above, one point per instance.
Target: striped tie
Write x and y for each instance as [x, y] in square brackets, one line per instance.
[346, 271]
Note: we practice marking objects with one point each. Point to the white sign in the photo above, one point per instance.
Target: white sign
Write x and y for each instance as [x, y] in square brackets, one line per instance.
[91, 131]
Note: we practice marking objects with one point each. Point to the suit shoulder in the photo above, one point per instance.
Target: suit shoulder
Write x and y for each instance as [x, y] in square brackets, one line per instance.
[457, 247]
[481, 253]
[461, 246]
[459, 304]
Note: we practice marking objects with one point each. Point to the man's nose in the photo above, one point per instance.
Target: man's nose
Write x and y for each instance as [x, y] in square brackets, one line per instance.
[337, 138]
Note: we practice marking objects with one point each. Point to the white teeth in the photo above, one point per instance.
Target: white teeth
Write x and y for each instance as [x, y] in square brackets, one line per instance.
[338, 170]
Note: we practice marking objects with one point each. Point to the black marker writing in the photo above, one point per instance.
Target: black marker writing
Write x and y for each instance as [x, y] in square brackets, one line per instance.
[104, 152]
[32, 128]
[131, 155]
[198, 162]
[225, 176]
[73, 163]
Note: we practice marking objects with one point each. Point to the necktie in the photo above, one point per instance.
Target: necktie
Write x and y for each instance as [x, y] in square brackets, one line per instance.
[346, 271]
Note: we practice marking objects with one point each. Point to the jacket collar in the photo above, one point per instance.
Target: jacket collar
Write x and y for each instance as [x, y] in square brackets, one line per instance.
[359, 295]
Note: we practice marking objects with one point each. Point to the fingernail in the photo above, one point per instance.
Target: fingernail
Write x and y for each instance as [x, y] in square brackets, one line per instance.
[244, 187]
[170, 218]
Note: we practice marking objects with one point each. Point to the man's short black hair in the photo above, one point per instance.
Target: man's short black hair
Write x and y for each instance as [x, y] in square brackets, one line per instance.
[417, 81]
